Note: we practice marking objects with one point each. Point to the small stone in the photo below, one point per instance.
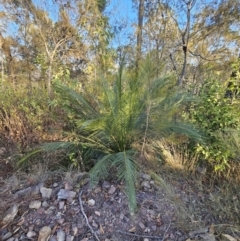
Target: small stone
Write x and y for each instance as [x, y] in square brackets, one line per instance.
[46, 192]
[50, 210]
[91, 202]
[145, 184]
[112, 189]
[154, 227]
[142, 226]
[146, 239]
[11, 239]
[61, 204]
[94, 224]
[55, 184]
[97, 213]
[147, 230]
[61, 235]
[69, 238]
[152, 182]
[31, 234]
[146, 177]
[66, 195]
[61, 220]
[106, 185]
[53, 238]
[7, 236]
[45, 204]
[35, 205]
[75, 230]
[44, 233]
[68, 186]
[97, 190]
[10, 214]
[121, 216]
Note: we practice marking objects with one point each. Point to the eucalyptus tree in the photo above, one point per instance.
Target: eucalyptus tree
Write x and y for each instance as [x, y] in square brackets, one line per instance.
[196, 34]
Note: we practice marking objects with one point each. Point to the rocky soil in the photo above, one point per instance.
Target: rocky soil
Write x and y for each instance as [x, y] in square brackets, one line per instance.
[63, 207]
[69, 211]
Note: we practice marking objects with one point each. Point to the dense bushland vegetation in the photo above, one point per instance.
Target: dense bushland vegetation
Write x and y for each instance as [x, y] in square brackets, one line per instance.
[66, 84]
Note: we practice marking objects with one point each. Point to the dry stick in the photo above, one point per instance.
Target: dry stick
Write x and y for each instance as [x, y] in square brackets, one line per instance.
[141, 236]
[85, 216]
[164, 235]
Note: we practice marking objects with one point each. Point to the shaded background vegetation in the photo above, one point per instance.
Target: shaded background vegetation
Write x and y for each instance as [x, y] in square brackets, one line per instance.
[171, 85]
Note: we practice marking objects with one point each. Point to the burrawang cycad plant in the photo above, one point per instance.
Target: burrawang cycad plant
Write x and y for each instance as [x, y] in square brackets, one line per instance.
[127, 112]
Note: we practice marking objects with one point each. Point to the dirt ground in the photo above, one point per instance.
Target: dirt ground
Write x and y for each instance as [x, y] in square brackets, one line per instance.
[171, 205]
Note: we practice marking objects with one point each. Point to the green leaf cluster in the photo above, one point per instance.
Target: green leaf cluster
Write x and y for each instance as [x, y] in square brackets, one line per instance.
[218, 117]
[126, 111]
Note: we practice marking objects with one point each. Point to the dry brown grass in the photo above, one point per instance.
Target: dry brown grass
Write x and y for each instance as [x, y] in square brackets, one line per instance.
[202, 198]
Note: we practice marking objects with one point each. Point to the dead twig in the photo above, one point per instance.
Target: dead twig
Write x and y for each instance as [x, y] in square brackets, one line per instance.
[85, 216]
[165, 232]
[141, 236]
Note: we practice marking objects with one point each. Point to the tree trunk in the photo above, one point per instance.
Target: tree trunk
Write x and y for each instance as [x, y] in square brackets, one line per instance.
[139, 31]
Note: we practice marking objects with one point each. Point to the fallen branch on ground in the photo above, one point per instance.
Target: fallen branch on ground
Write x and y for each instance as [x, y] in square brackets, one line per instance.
[85, 216]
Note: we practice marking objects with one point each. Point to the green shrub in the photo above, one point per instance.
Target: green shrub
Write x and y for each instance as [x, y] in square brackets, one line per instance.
[107, 126]
[218, 117]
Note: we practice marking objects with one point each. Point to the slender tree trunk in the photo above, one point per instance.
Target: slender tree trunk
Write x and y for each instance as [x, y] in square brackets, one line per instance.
[185, 40]
[139, 31]
[49, 80]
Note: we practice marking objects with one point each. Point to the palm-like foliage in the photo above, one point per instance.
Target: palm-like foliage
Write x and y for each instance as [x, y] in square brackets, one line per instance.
[122, 114]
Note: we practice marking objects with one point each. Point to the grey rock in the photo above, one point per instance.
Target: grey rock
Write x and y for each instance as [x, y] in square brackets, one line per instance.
[66, 195]
[61, 204]
[68, 186]
[55, 184]
[146, 177]
[61, 235]
[69, 238]
[2, 150]
[50, 210]
[145, 184]
[45, 204]
[208, 237]
[44, 233]
[31, 234]
[142, 226]
[36, 189]
[91, 202]
[29, 191]
[35, 205]
[106, 185]
[46, 192]
[97, 190]
[112, 189]
[10, 214]
[11, 239]
[7, 236]
[53, 238]
[97, 213]
[154, 227]
[94, 224]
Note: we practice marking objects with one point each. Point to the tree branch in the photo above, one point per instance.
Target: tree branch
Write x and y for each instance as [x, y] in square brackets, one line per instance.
[86, 218]
[199, 55]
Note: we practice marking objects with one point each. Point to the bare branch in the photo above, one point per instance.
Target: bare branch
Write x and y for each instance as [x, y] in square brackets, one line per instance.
[199, 55]
[86, 218]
